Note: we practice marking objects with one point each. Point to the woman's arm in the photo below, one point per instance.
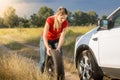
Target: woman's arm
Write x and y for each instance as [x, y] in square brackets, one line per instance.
[46, 28]
[61, 40]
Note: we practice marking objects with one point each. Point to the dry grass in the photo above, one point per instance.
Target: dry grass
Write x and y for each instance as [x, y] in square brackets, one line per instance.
[25, 35]
[16, 67]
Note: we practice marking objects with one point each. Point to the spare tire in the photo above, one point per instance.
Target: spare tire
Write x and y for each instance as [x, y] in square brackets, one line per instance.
[54, 65]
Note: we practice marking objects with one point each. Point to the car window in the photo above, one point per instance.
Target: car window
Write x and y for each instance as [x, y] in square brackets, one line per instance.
[117, 22]
[116, 19]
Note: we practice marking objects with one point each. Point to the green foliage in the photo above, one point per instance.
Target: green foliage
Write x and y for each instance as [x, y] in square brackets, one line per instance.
[43, 13]
[10, 17]
[93, 17]
[104, 16]
[82, 18]
[1, 20]
[23, 22]
[35, 20]
[70, 18]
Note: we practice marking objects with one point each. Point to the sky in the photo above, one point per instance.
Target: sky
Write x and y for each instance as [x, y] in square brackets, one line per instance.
[25, 8]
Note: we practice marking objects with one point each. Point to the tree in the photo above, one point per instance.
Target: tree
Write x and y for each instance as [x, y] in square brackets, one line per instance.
[93, 17]
[1, 21]
[43, 13]
[10, 17]
[35, 20]
[104, 16]
[80, 18]
[70, 18]
[76, 17]
[23, 22]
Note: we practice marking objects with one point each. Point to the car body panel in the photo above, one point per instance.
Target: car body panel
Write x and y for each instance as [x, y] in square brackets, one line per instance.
[109, 48]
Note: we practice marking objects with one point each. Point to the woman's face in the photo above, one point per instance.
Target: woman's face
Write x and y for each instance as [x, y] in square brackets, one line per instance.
[61, 18]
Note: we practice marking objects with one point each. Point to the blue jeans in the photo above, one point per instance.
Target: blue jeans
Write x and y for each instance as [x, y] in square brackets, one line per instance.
[53, 44]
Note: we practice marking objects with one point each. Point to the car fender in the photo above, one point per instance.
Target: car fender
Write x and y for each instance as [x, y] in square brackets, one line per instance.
[82, 48]
[82, 42]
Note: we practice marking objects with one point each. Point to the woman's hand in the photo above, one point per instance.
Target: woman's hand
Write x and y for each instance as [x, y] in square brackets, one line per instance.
[58, 49]
[48, 51]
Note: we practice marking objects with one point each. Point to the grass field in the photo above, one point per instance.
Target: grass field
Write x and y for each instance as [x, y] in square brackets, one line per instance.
[32, 35]
[18, 62]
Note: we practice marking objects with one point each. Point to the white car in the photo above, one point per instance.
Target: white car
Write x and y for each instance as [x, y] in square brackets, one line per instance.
[97, 52]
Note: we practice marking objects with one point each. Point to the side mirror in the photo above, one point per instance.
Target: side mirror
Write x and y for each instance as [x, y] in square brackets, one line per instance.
[104, 23]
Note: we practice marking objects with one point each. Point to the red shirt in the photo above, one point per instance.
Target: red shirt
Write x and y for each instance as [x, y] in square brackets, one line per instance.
[54, 34]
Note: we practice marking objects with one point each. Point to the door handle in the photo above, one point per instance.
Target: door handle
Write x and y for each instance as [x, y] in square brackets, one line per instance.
[95, 39]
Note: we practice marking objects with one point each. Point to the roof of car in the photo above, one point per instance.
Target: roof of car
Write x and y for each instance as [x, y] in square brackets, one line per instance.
[113, 13]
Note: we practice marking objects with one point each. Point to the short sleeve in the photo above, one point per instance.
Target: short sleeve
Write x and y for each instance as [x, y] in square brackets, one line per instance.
[65, 24]
[50, 20]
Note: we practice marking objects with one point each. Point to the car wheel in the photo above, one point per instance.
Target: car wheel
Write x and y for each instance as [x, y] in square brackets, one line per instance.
[87, 67]
[54, 65]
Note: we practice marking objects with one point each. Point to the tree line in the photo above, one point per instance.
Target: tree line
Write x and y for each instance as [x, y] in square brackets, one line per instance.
[79, 18]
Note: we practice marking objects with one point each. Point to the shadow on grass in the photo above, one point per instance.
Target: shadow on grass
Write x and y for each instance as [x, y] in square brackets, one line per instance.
[14, 45]
[22, 49]
[33, 42]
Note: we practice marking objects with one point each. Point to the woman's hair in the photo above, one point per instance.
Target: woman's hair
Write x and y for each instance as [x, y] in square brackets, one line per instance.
[60, 11]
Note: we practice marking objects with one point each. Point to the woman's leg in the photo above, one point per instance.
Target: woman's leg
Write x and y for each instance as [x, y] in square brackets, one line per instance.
[42, 55]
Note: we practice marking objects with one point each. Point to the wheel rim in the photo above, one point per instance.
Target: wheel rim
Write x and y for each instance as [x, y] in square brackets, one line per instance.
[85, 68]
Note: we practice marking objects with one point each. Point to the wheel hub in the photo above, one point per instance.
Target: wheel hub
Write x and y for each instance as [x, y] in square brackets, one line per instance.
[85, 68]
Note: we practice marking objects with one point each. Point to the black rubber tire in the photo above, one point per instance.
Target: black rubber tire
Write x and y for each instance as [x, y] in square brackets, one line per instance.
[92, 71]
[54, 65]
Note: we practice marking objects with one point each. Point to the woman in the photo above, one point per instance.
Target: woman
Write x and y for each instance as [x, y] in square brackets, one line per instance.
[53, 34]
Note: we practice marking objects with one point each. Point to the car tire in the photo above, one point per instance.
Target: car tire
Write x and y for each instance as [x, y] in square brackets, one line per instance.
[54, 65]
[87, 67]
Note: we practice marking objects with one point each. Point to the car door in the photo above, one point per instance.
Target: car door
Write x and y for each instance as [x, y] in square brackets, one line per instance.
[109, 44]
[109, 47]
